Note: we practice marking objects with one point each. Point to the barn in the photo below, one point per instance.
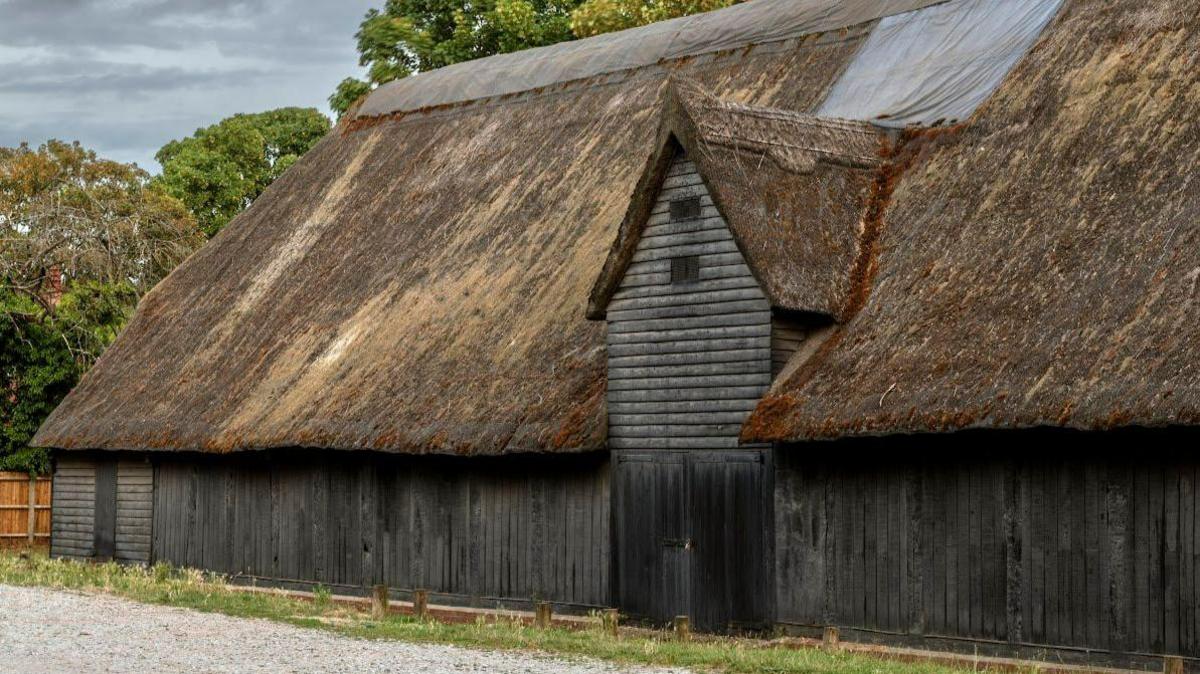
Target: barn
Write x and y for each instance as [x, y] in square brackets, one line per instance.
[879, 315]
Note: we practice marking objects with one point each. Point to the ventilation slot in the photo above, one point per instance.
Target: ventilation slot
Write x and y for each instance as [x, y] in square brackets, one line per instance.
[685, 209]
[685, 269]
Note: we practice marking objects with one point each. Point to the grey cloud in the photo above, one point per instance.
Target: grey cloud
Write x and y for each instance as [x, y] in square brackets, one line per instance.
[119, 79]
[67, 73]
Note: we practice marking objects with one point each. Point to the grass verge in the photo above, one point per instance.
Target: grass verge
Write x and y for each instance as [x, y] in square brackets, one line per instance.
[164, 585]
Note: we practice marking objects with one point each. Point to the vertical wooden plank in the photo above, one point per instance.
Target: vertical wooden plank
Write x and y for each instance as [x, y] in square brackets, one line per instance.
[963, 564]
[1077, 600]
[105, 518]
[920, 565]
[1155, 562]
[1170, 562]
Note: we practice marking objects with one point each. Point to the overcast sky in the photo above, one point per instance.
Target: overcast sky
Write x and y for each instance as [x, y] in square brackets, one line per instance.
[126, 76]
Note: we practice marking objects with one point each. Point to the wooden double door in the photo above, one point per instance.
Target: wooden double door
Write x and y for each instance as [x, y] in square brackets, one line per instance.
[692, 536]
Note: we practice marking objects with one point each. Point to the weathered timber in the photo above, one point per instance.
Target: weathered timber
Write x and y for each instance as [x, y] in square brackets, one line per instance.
[1010, 542]
[472, 531]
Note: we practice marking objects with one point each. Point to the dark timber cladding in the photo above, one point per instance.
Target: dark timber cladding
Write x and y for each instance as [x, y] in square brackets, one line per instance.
[102, 504]
[687, 360]
[468, 530]
[1008, 542]
[689, 355]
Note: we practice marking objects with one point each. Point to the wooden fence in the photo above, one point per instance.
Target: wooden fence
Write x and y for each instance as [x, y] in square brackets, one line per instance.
[24, 508]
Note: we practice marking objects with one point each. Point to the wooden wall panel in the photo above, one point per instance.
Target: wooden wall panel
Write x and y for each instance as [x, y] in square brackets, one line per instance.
[135, 484]
[997, 537]
[74, 502]
[474, 530]
[687, 359]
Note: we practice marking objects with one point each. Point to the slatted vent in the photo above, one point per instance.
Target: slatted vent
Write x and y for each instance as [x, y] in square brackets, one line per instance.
[685, 269]
[685, 209]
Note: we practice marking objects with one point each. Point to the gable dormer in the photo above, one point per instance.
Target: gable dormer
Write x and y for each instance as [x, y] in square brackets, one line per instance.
[739, 243]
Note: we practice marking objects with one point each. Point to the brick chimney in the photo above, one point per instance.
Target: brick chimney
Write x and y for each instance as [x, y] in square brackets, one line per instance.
[52, 287]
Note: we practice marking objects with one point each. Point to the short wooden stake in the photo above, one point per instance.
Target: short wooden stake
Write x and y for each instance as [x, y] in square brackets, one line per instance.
[832, 636]
[379, 601]
[543, 615]
[1172, 665]
[611, 619]
[683, 628]
[421, 604]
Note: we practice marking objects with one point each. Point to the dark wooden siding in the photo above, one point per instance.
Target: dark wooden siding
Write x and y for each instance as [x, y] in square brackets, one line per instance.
[470, 530]
[787, 336]
[73, 507]
[1027, 538]
[687, 361]
[135, 484]
[691, 536]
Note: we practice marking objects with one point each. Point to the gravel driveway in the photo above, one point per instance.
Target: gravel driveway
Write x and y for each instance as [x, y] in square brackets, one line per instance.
[53, 631]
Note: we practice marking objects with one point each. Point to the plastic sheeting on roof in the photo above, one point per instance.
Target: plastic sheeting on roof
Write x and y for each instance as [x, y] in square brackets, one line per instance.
[937, 63]
[755, 22]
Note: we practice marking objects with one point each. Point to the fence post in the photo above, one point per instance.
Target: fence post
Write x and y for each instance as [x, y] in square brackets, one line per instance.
[611, 620]
[683, 628]
[32, 508]
[542, 617]
[379, 601]
[421, 604]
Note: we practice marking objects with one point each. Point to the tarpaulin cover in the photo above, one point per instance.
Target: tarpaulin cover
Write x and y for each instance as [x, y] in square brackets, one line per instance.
[938, 63]
[750, 23]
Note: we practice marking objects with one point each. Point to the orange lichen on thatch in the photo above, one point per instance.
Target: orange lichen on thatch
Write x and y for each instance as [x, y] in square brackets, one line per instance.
[1041, 266]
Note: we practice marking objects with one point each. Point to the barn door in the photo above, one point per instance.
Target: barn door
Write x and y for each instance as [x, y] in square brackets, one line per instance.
[104, 530]
[689, 537]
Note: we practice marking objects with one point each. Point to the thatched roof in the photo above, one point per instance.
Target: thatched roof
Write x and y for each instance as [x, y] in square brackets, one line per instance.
[791, 187]
[1039, 266]
[418, 282]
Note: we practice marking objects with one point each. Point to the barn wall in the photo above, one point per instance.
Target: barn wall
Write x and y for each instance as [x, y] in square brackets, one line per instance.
[73, 507]
[135, 485]
[687, 361]
[1034, 538]
[471, 531]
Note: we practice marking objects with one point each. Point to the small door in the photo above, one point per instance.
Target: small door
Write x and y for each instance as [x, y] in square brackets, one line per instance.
[690, 537]
[105, 513]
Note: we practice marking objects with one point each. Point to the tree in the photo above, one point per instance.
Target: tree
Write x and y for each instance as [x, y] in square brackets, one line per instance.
[410, 36]
[594, 17]
[81, 239]
[219, 170]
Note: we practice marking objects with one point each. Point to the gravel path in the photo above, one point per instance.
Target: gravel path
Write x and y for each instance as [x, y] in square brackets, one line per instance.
[53, 631]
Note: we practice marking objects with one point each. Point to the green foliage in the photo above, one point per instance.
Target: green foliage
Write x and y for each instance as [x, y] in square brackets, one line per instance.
[81, 239]
[410, 36]
[594, 17]
[219, 170]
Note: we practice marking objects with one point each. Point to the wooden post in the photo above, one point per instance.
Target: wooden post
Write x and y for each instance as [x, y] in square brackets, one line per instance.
[683, 628]
[611, 619]
[832, 637]
[379, 601]
[421, 604]
[32, 508]
[1172, 664]
[543, 615]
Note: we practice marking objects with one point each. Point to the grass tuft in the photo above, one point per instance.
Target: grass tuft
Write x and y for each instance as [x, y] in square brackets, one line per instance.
[188, 588]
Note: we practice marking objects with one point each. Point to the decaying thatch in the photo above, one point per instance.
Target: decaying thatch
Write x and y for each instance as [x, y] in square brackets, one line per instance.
[791, 187]
[1040, 266]
[418, 282]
